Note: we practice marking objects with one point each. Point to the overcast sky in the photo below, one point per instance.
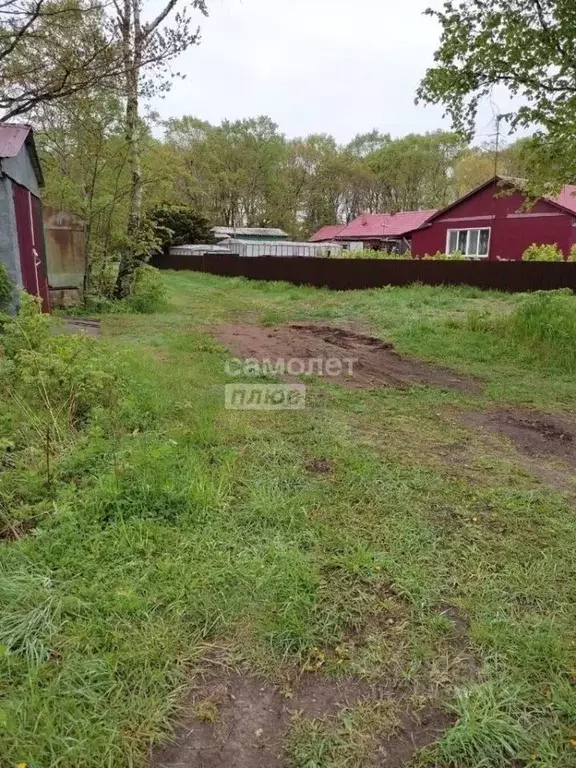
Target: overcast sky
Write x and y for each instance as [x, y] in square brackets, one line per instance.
[314, 66]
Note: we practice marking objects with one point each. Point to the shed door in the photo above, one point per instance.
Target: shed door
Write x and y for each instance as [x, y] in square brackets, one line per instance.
[28, 210]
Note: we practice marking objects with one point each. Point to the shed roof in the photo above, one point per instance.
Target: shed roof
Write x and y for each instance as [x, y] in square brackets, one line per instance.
[327, 233]
[13, 136]
[249, 231]
[383, 225]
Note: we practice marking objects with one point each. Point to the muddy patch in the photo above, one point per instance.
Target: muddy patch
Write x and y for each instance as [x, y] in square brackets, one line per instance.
[238, 721]
[319, 466]
[81, 325]
[534, 434]
[365, 361]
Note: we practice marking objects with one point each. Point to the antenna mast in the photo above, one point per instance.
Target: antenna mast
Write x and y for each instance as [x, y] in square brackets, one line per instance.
[499, 119]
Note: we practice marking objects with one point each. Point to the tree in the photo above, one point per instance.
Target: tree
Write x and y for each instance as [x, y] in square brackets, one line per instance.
[478, 164]
[179, 225]
[51, 50]
[82, 150]
[529, 46]
[416, 171]
[148, 47]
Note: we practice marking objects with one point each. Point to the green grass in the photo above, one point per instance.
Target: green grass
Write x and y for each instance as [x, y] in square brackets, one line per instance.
[177, 527]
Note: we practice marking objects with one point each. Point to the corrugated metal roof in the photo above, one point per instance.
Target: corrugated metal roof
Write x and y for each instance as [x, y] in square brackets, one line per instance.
[382, 225]
[233, 240]
[12, 138]
[249, 231]
[566, 198]
[327, 233]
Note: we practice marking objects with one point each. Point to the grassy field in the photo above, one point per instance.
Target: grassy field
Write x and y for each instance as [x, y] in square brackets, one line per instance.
[178, 536]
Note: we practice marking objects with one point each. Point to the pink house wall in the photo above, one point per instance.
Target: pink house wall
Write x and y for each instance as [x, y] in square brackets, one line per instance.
[513, 229]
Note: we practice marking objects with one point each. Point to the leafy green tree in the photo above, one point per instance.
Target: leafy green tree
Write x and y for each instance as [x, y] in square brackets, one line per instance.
[478, 164]
[529, 46]
[52, 50]
[417, 171]
[148, 48]
[179, 225]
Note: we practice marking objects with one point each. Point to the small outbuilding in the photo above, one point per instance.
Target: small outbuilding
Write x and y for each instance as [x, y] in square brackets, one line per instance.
[64, 234]
[22, 248]
[280, 248]
[255, 234]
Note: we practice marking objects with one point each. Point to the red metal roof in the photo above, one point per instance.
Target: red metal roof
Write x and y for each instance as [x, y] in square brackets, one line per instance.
[382, 225]
[566, 198]
[12, 138]
[327, 233]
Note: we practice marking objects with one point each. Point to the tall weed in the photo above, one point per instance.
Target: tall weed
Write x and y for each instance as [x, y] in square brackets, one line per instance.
[545, 322]
[53, 386]
[149, 293]
[6, 289]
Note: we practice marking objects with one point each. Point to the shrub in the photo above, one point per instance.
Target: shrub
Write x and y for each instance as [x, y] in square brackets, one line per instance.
[104, 274]
[543, 253]
[149, 292]
[441, 256]
[29, 330]
[346, 254]
[6, 289]
[56, 379]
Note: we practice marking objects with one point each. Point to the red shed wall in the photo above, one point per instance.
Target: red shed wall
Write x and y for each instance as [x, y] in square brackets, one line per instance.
[28, 212]
[513, 229]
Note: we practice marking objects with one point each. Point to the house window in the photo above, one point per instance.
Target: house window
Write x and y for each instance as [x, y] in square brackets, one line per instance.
[471, 242]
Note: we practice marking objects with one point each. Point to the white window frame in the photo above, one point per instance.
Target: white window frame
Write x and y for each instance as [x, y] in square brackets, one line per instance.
[468, 230]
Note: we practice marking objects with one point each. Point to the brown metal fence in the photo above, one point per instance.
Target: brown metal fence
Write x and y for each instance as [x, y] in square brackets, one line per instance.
[353, 274]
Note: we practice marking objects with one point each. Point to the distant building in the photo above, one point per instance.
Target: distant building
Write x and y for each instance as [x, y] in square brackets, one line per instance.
[281, 248]
[327, 234]
[198, 249]
[376, 231]
[21, 233]
[249, 233]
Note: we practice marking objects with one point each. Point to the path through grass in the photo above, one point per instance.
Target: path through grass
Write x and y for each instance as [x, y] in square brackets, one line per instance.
[427, 556]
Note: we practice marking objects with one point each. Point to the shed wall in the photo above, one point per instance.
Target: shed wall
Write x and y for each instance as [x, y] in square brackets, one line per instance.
[9, 255]
[21, 170]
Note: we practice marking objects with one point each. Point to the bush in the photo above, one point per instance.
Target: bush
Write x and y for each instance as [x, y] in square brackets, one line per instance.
[441, 256]
[56, 379]
[149, 292]
[345, 254]
[104, 274]
[543, 253]
[6, 289]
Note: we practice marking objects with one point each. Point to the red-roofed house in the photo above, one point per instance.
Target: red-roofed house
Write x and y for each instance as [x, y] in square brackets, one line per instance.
[327, 234]
[376, 231]
[497, 220]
